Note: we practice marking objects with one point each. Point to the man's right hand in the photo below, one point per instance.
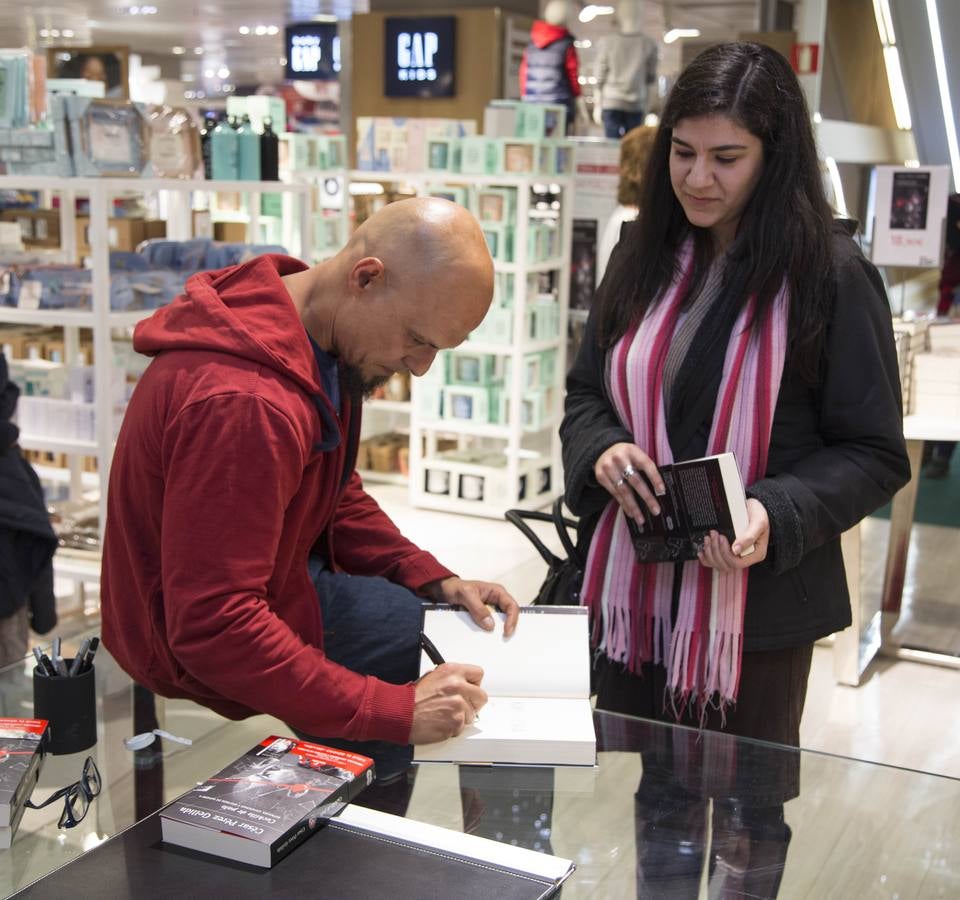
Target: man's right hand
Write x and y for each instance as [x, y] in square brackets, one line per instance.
[446, 700]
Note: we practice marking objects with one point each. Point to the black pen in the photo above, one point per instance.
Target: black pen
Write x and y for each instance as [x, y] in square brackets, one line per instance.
[88, 662]
[44, 665]
[431, 650]
[77, 663]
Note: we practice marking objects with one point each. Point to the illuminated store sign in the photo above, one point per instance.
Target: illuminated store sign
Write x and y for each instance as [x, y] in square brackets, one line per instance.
[312, 51]
[420, 57]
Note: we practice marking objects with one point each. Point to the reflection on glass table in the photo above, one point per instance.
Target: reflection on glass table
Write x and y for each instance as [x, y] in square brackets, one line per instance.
[667, 812]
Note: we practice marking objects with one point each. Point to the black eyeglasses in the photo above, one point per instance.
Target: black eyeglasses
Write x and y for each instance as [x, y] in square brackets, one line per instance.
[76, 797]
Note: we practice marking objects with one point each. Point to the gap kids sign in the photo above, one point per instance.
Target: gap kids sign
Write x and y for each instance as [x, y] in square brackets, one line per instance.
[420, 56]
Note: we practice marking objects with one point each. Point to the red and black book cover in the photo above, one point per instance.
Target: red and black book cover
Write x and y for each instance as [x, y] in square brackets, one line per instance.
[22, 746]
[277, 794]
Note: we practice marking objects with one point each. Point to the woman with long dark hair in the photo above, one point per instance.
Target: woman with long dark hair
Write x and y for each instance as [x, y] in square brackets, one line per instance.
[736, 315]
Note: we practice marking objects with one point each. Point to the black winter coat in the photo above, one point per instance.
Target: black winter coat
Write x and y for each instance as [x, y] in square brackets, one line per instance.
[837, 453]
[27, 541]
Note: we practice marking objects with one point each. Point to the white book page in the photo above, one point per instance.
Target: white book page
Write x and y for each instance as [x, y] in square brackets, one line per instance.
[542, 865]
[547, 656]
[530, 730]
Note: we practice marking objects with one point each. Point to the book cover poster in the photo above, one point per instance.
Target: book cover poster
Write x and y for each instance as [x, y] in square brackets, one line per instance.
[20, 742]
[270, 789]
[908, 207]
[909, 200]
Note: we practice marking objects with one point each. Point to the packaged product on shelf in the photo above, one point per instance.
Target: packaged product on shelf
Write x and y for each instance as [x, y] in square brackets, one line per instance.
[453, 193]
[173, 143]
[496, 327]
[38, 227]
[480, 476]
[480, 156]
[499, 236]
[496, 204]
[469, 369]
[108, 137]
[466, 404]
[259, 108]
[402, 145]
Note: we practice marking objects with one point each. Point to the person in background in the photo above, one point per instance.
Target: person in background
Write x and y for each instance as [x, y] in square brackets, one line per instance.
[27, 540]
[244, 565]
[735, 316]
[634, 153]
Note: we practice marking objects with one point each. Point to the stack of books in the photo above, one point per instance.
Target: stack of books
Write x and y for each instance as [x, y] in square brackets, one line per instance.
[22, 750]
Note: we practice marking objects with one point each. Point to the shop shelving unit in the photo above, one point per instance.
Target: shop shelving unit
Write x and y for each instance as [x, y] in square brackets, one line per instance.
[174, 200]
[532, 471]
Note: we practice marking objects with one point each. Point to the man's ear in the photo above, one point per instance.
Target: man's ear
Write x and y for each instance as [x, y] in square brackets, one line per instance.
[366, 272]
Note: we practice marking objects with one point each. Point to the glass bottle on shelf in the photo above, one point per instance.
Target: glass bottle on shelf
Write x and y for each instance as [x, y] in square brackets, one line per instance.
[269, 153]
[249, 151]
[224, 152]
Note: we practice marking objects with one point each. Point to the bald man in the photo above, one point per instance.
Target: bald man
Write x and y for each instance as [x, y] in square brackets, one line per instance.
[244, 566]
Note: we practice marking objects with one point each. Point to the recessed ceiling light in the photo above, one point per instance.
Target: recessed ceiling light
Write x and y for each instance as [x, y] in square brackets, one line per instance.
[261, 30]
[189, 95]
[178, 51]
[67, 32]
[244, 29]
[44, 33]
[223, 72]
[54, 32]
[208, 73]
[272, 29]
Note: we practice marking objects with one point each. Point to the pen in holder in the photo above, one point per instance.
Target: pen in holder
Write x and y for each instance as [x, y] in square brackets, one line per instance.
[69, 704]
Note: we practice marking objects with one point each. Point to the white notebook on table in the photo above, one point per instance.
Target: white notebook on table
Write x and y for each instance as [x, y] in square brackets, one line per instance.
[537, 682]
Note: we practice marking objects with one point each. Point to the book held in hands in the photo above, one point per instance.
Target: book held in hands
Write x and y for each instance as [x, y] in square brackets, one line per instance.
[267, 802]
[537, 683]
[702, 495]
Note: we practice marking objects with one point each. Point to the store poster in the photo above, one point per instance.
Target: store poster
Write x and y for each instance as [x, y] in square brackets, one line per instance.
[598, 173]
[910, 208]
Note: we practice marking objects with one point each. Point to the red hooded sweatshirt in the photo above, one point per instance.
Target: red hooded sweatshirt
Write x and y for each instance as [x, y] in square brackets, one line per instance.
[543, 34]
[223, 479]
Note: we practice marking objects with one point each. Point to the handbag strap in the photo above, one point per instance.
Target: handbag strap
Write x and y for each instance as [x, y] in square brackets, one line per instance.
[516, 517]
[560, 522]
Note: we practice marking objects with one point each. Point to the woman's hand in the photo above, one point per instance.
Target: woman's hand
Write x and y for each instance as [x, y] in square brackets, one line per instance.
[718, 554]
[618, 472]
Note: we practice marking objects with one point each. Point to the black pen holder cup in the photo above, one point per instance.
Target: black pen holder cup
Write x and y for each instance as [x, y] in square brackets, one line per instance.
[70, 706]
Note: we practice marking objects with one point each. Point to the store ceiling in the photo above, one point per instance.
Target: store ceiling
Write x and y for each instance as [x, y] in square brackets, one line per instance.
[209, 33]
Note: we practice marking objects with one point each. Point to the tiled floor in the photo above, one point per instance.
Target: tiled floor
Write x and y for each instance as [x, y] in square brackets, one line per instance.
[903, 714]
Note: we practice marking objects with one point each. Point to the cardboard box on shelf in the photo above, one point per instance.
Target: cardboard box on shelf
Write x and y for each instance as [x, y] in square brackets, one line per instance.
[230, 232]
[122, 234]
[38, 227]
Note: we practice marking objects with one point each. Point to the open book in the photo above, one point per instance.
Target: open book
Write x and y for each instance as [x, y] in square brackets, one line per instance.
[703, 495]
[537, 682]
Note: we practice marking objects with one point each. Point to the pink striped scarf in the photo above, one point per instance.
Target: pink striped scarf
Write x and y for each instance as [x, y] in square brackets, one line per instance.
[631, 602]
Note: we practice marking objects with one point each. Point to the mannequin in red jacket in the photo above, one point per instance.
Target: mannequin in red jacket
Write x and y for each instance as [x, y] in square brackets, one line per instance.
[549, 70]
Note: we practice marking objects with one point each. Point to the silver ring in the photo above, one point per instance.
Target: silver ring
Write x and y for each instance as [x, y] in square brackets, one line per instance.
[620, 483]
[629, 472]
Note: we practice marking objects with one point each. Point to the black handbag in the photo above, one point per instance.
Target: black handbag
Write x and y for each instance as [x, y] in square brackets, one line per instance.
[564, 578]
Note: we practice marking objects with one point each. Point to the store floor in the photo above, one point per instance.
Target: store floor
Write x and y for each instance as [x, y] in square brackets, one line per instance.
[900, 715]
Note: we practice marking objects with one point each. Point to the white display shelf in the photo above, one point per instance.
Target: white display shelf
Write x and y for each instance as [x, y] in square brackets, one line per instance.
[436, 178]
[514, 268]
[77, 568]
[58, 445]
[931, 428]
[89, 480]
[392, 406]
[70, 318]
[472, 429]
[507, 349]
[82, 185]
[442, 503]
[368, 475]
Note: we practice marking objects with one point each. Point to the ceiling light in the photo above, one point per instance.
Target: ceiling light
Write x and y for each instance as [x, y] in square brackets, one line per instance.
[676, 33]
[261, 30]
[54, 32]
[272, 29]
[585, 44]
[178, 51]
[591, 11]
[44, 33]
[208, 73]
[134, 10]
[898, 90]
[198, 51]
[244, 29]
[223, 72]
[939, 62]
[67, 32]
[189, 95]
